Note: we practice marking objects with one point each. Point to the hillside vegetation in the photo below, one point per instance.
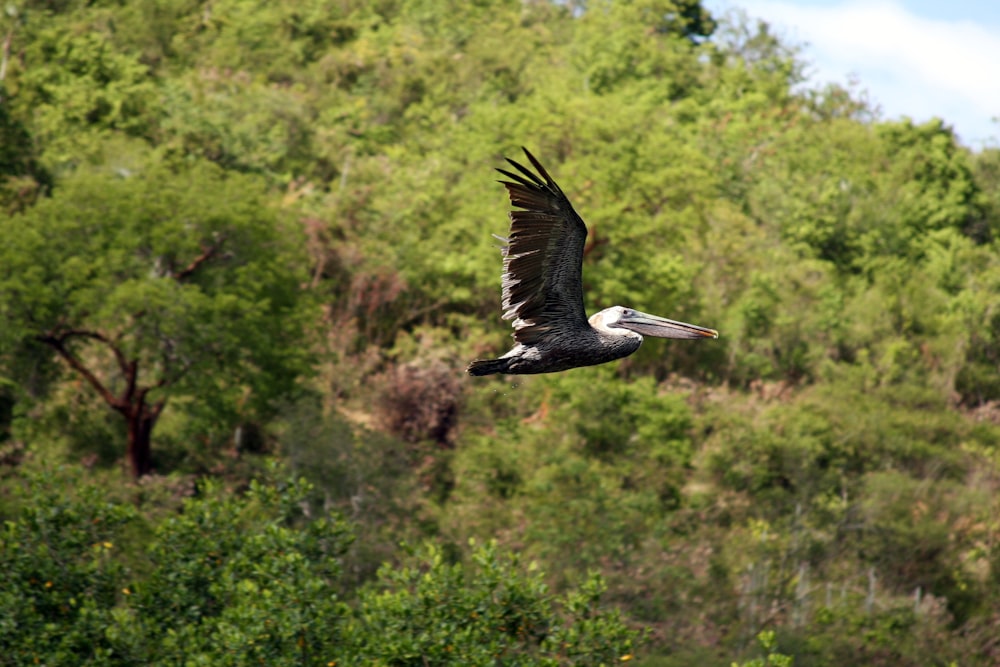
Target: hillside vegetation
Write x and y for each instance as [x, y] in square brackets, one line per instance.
[246, 256]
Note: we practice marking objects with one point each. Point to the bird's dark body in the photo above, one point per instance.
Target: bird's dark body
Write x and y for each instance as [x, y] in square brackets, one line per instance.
[554, 355]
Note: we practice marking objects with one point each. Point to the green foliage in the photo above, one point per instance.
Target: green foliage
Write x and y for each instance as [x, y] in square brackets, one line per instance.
[592, 495]
[79, 90]
[807, 451]
[230, 579]
[179, 279]
[62, 574]
[769, 644]
[234, 579]
[366, 475]
[239, 579]
[445, 614]
[21, 177]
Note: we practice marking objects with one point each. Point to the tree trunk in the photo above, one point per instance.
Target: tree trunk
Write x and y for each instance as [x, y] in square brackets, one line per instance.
[139, 415]
[141, 418]
[140, 431]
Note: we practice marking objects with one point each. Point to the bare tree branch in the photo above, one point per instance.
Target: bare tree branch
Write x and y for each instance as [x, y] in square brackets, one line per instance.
[58, 344]
[206, 254]
[123, 364]
[131, 376]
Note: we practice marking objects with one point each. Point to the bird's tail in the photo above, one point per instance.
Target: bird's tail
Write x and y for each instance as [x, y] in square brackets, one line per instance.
[488, 366]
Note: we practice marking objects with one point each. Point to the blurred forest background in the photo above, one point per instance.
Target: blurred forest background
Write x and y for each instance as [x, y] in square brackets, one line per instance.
[245, 256]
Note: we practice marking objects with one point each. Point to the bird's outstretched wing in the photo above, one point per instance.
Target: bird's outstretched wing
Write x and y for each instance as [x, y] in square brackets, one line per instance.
[543, 259]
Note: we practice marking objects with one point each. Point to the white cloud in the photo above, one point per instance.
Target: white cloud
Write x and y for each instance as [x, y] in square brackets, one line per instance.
[912, 66]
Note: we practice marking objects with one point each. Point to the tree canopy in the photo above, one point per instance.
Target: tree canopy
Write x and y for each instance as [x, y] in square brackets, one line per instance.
[160, 283]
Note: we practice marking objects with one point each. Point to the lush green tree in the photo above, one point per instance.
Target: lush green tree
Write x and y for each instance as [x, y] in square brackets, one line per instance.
[156, 285]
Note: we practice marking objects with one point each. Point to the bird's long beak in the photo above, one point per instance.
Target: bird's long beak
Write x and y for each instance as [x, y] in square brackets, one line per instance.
[651, 325]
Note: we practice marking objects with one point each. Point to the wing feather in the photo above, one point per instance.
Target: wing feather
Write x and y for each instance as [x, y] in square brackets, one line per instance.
[543, 260]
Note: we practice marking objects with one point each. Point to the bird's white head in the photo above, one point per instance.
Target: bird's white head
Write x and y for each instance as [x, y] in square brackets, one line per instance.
[621, 321]
[607, 322]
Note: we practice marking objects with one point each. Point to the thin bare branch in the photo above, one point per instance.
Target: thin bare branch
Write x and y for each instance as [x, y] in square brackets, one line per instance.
[157, 408]
[131, 376]
[58, 344]
[65, 335]
[206, 254]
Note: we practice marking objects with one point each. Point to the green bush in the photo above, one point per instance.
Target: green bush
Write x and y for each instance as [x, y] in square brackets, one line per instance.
[249, 578]
[63, 574]
[493, 612]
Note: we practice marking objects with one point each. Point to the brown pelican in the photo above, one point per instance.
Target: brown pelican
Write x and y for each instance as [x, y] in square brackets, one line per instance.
[543, 289]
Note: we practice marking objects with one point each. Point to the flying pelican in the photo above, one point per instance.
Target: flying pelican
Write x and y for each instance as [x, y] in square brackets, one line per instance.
[543, 289]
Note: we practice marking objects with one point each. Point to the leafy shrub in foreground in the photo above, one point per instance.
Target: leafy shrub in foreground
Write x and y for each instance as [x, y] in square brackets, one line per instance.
[494, 613]
[230, 579]
[240, 579]
[61, 576]
[236, 579]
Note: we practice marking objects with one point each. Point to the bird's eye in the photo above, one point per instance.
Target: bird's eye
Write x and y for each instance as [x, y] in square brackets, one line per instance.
[626, 311]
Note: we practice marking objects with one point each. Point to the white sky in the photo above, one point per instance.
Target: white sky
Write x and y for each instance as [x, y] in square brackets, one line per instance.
[916, 58]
